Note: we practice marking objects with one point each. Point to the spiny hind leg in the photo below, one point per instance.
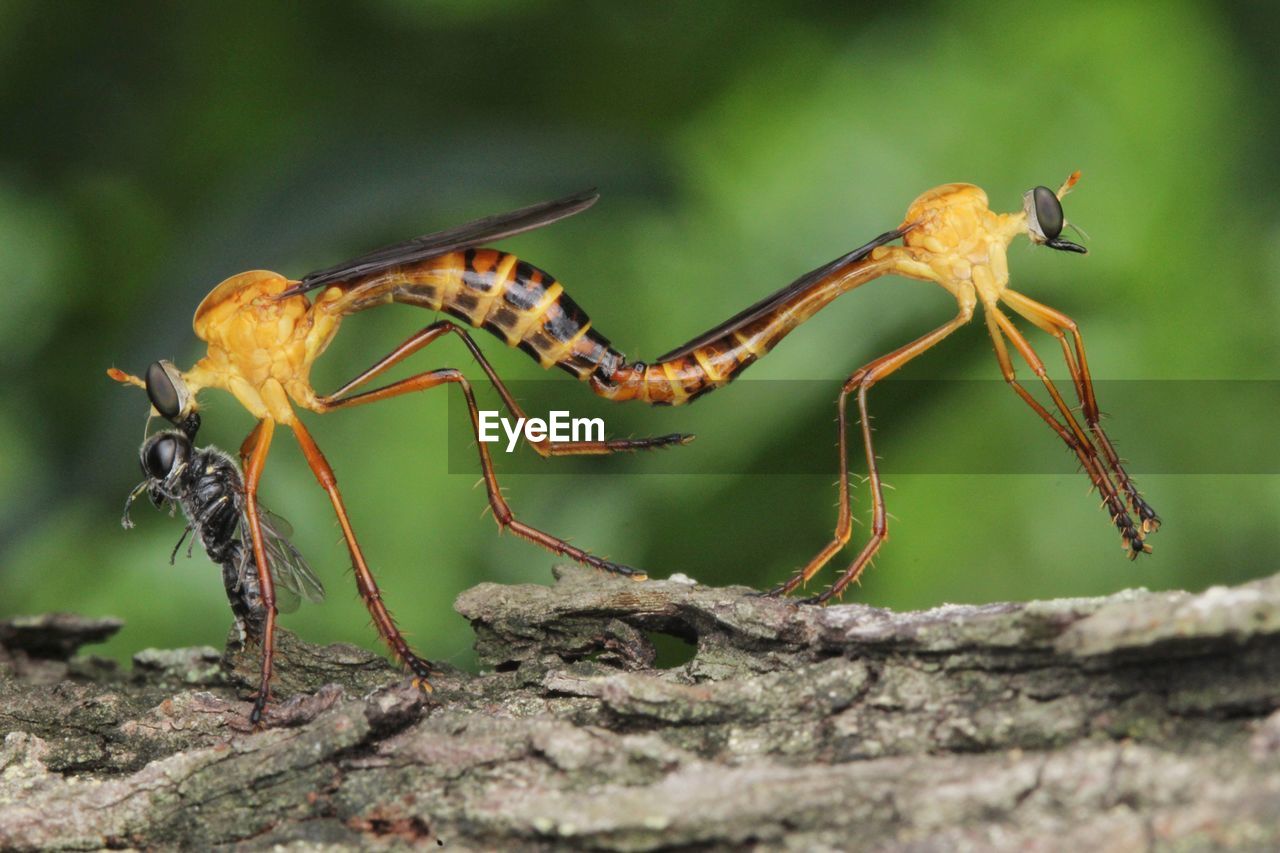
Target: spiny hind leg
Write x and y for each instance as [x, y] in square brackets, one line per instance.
[545, 447]
[844, 516]
[1060, 325]
[501, 510]
[879, 518]
[860, 381]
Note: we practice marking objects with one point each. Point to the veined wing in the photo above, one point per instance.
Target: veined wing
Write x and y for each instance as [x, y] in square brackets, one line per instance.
[764, 306]
[475, 233]
[294, 579]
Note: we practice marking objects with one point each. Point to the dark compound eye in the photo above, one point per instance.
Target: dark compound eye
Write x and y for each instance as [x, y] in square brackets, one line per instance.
[162, 455]
[161, 390]
[1048, 212]
[158, 459]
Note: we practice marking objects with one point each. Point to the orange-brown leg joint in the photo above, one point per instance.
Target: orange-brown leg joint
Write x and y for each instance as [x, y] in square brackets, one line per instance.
[246, 447]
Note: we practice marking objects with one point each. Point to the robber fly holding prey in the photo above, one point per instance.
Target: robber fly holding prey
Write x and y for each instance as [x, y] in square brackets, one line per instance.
[263, 338]
[206, 484]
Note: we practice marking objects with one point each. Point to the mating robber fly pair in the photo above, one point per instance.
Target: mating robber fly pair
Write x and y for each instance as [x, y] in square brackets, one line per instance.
[264, 332]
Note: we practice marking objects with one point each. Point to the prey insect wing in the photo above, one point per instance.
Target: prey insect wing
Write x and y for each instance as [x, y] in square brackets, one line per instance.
[773, 300]
[471, 234]
[293, 576]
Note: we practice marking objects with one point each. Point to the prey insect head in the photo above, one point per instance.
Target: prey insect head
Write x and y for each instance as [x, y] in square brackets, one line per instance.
[1045, 218]
[162, 457]
[164, 453]
[169, 395]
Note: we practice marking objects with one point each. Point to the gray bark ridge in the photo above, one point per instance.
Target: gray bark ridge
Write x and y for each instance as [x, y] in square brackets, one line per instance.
[622, 715]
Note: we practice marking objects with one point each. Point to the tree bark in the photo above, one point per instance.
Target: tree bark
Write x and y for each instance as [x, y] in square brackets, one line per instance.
[1137, 720]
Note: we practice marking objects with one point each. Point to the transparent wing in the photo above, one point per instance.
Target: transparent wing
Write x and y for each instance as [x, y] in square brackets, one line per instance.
[293, 577]
[471, 234]
[287, 600]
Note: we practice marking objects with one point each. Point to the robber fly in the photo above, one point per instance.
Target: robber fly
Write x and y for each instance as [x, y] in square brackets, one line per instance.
[950, 237]
[206, 484]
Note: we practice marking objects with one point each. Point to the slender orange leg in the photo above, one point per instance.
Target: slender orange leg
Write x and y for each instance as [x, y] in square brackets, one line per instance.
[1001, 327]
[862, 380]
[365, 583]
[246, 447]
[545, 447]
[257, 459]
[501, 510]
[1058, 324]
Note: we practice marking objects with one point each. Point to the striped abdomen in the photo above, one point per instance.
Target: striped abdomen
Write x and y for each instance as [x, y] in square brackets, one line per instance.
[684, 378]
[496, 291]
[528, 308]
[718, 356]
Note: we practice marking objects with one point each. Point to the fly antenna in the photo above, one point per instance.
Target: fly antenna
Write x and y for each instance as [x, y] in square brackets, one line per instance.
[125, 378]
[129, 379]
[1068, 184]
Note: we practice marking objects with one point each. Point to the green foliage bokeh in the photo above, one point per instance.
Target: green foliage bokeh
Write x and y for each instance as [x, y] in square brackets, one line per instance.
[147, 151]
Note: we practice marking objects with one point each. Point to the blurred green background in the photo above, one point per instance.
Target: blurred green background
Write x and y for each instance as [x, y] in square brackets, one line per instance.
[147, 151]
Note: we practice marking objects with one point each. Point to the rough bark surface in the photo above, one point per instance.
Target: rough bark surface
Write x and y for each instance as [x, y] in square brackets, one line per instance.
[1137, 720]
